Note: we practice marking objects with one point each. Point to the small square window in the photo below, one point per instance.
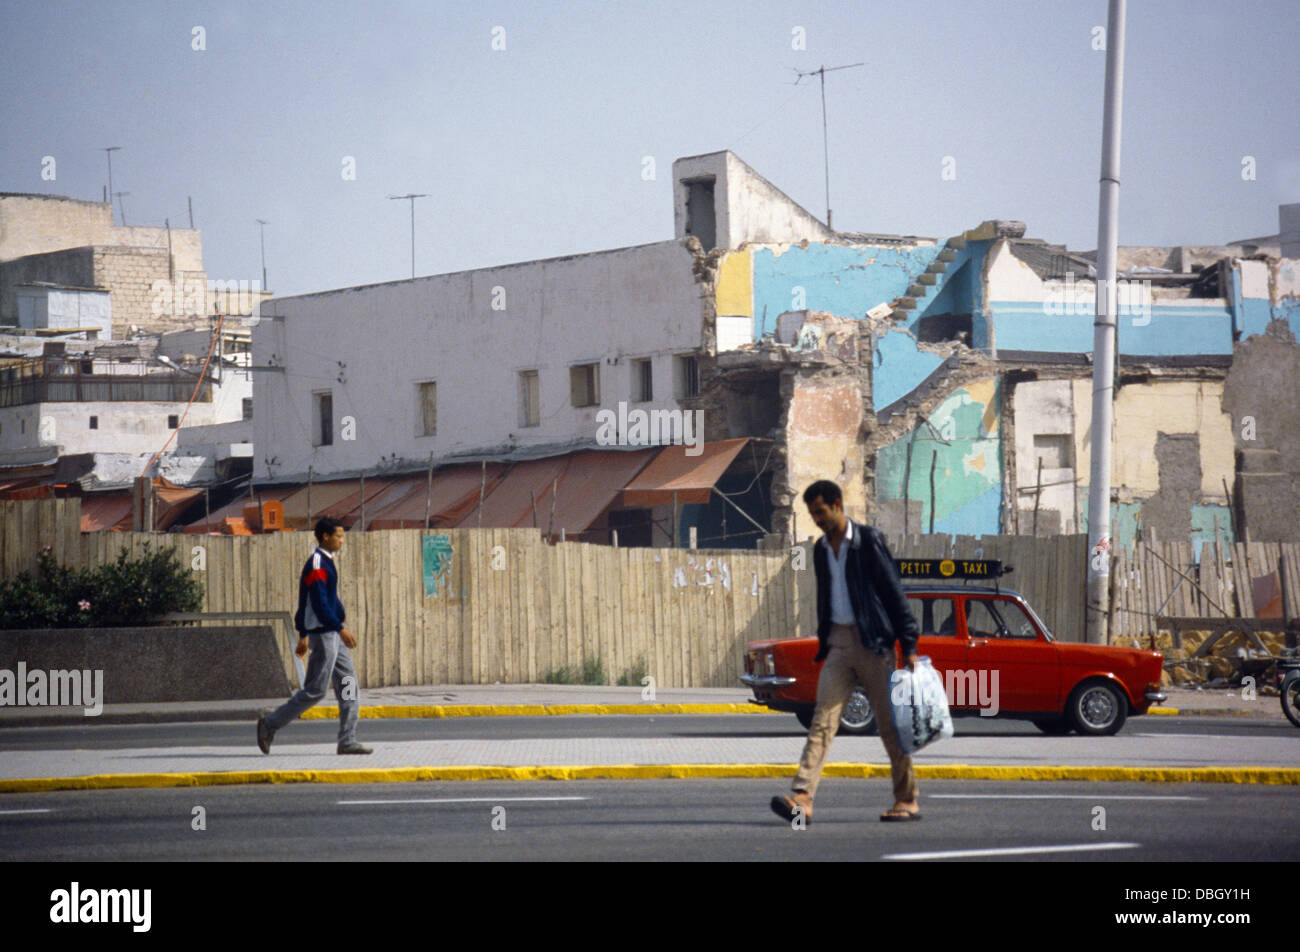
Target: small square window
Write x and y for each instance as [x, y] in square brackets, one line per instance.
[94, 423]
[248, 408]
[643, 388]
[584, 385]
[173, 421]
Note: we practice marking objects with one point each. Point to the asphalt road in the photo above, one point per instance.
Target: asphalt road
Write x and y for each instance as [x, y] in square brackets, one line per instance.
[654, 820]
[227, 733]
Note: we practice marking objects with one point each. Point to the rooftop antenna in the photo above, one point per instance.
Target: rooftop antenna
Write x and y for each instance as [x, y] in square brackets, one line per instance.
[110, 150]
[822, 71]
[262, 228]
[412, 197]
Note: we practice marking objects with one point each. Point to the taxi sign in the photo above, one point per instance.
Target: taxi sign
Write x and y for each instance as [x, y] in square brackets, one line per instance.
[951, 568]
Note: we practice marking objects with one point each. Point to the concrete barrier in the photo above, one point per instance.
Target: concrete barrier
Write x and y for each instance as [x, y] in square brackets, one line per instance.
[142, 665]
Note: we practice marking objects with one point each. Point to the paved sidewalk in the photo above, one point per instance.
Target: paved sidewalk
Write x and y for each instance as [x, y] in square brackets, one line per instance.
[534, 699]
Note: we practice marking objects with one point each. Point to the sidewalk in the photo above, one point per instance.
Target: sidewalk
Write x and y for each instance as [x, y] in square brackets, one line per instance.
[524, 700]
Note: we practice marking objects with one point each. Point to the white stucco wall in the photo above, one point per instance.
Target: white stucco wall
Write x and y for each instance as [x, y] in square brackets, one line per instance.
[65, 309]
[371, 346]
[747, 206]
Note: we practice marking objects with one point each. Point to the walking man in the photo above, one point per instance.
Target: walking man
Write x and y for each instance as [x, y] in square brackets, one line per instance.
[861, 611]
[319, 621]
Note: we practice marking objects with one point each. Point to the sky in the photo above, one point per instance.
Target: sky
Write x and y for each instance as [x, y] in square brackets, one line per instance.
[539, 149]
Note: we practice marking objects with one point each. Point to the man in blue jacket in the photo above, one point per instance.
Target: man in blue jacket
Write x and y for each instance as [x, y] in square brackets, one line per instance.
[861, 612]
[319, 621]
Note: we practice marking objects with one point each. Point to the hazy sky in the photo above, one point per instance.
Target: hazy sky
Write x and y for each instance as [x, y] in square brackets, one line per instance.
[537, 150]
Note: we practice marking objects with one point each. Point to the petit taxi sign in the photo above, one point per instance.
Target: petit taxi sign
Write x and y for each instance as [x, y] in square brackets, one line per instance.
[950, 568]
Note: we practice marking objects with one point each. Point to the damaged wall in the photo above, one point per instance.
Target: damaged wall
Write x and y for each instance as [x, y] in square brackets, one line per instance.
[962, 442]
[1262, 397]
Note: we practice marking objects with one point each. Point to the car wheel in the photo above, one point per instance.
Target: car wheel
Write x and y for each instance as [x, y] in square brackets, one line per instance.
[857, 716]
[1097, 707]
[1053, 725]
[805, 717]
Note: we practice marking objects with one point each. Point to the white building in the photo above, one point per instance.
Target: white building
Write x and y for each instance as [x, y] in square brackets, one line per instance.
[515, 360]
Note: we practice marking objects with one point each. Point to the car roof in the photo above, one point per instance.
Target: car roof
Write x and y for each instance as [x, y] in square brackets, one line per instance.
[947, 588]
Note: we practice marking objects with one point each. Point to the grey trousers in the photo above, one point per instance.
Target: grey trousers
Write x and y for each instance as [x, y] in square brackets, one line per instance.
[329, 660]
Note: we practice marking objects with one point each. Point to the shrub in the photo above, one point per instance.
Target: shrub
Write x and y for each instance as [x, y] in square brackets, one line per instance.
[633, 676]
[592, 671]
[125, 592]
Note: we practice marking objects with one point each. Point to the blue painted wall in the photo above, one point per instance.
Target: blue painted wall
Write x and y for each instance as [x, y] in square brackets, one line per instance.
[898, 367]
[845, 281]
[1168, 330]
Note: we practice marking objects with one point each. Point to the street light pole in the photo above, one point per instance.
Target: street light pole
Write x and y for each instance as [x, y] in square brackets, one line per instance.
[1104, 332]
[411, 197]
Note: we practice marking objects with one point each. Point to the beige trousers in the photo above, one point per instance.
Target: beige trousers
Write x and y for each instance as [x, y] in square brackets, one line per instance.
[848, 664]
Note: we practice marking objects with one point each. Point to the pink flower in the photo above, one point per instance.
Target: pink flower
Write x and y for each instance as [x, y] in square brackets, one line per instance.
[84, 605]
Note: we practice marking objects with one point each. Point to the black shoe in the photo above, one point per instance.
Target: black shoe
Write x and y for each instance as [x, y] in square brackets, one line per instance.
[354, 748]
[264, 734]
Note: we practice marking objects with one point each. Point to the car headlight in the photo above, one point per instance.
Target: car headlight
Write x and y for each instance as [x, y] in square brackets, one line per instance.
[769, 665]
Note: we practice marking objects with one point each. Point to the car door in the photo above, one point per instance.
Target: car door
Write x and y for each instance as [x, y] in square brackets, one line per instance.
[942, 638]
[1014, 665]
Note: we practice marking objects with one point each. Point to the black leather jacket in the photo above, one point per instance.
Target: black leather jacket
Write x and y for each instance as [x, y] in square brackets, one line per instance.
[875, 592]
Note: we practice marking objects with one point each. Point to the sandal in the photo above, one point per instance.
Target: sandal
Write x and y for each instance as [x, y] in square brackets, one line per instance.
[899, 816]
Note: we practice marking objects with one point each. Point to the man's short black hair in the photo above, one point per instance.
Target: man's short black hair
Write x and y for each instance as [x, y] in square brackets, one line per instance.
[326, 526]
[827, 490]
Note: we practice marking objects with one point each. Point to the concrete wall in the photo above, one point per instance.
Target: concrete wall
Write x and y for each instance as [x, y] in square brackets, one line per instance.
[371, 346]
[36, 224]
[1262, 397]
[747, 207]
[1045, 421]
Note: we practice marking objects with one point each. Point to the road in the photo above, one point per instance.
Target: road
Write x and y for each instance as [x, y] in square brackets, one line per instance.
[653, 820]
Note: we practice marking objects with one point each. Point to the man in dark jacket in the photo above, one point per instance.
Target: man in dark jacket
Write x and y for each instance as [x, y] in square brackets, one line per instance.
[861, 612]
[319, 621]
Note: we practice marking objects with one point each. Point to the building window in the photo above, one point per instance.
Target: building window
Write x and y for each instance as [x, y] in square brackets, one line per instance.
[584, 385]
[428, 393]
[173, 421]
[248, 408]
[530, 410]
[643, 388]
[94, 423]
[87, 366]
[323, 413]
[688, 376]
[701, 219]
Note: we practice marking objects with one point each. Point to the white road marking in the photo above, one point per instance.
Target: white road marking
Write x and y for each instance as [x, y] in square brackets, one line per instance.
[1014, 851]
[34, 810]
[1051, 796]
[464, 800]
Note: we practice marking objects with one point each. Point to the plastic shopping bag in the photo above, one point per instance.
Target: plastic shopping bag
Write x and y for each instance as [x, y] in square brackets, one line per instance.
[920, 705]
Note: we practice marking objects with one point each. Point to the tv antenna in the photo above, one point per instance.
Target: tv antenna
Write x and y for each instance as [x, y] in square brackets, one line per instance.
[412, 197]
[821, 72]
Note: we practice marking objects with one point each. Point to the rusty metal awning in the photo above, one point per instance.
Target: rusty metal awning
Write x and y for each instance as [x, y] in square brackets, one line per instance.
[674, 474]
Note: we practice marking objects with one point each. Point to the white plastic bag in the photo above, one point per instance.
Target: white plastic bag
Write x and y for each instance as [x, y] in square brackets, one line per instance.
[920, 705]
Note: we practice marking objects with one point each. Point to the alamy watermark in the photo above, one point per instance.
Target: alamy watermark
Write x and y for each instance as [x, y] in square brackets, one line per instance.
[638, 427]
[965, 688]
[1132, 298]
[57, 688]
[190, 297]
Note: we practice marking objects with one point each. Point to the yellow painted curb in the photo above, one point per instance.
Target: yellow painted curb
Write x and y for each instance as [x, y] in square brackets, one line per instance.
[1162, 710]
[531, 710]
[1276, 776]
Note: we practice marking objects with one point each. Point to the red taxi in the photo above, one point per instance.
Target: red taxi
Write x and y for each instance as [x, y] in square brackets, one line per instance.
[994, 653]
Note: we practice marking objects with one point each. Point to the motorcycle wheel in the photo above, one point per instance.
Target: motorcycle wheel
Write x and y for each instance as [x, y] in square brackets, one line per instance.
[1291, 697]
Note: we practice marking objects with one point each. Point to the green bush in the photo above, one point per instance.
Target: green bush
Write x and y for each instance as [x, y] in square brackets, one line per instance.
[633, 676]
[125, 592]
[592, 671]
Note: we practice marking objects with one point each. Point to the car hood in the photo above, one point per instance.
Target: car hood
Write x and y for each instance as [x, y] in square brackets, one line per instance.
[1110, 654]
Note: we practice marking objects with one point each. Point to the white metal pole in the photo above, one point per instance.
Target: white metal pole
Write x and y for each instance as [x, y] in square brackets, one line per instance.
[1104, 331]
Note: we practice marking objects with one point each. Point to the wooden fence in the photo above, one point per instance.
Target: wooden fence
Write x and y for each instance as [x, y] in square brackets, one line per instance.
[1162, 580]
[508, 607]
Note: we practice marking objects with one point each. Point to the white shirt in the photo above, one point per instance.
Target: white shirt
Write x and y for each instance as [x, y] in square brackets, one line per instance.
[841, 607]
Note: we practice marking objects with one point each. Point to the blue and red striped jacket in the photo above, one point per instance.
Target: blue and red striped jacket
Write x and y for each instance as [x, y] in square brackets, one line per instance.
[319, 608]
